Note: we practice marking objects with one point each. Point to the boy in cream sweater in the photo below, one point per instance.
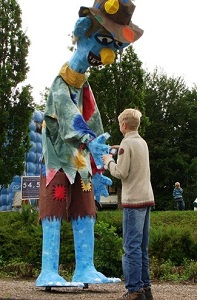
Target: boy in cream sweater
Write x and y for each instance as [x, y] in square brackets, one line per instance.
[132, 168]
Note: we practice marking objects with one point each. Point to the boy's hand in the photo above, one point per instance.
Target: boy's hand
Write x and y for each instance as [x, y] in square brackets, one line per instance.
[106, 158]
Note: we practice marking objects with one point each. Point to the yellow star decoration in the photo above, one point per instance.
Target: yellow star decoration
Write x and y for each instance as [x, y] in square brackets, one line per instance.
[79, 161]
[86, 187]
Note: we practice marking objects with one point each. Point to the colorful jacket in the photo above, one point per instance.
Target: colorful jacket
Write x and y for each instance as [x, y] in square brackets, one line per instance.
[71, 118]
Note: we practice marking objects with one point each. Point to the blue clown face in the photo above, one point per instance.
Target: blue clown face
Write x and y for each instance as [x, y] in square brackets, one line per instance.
[95, 49]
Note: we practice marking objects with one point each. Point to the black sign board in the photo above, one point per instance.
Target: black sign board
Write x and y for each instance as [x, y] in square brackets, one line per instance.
[30, 186]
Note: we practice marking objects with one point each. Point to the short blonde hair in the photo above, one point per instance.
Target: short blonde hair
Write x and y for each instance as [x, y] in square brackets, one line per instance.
[131, 117]
[177, 184]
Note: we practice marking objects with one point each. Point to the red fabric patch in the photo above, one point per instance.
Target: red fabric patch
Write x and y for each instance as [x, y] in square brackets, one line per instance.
[121, 151]
[89, 103]
[59, 193]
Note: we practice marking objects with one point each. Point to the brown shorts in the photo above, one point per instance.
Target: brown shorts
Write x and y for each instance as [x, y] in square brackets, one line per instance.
[61, 199]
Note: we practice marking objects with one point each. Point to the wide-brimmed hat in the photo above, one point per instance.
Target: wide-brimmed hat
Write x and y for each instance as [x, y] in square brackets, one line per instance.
[115, 16]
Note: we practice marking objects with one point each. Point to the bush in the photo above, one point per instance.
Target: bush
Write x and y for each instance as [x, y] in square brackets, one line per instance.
[166, 270]
[173, 244]
[67, 252]
[108, 250]
[21, 237]
[107, 244]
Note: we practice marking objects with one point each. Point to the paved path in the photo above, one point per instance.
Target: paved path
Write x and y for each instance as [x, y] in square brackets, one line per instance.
[11, 289]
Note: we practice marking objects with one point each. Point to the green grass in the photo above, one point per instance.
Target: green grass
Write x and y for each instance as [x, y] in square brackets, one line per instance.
[177, 219]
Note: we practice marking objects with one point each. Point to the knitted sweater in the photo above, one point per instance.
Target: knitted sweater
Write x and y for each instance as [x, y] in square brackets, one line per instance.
[133, 169]
[177, 193]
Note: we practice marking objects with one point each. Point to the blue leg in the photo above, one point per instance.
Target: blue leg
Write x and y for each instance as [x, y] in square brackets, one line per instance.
[50, 256]
[83, 230]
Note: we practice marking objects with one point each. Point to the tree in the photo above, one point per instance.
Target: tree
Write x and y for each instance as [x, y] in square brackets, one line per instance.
[116, 87]
[16, 103]
[171, 136]
[44, 95]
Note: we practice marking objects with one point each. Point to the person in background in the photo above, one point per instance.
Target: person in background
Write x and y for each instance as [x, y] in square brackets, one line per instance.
[137, 198]
[177, 195]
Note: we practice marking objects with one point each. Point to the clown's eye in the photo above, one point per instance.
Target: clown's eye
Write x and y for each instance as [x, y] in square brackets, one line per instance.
[104, 40]
[117, 44]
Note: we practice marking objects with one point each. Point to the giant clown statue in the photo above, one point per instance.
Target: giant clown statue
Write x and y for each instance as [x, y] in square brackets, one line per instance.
[73, 142]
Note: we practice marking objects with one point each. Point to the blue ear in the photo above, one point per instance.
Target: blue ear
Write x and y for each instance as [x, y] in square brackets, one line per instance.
[82, 25]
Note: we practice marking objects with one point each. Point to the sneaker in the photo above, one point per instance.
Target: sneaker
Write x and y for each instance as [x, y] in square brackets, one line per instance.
[148, 293]
[139, 295]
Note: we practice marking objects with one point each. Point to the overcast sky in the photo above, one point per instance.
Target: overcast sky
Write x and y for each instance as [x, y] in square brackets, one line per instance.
[168, 43]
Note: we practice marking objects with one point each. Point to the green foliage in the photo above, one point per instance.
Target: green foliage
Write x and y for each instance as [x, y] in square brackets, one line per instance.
[108, 244]
[16, 104]
[167, 271]
[116, 87]
[67, 253]
[172, 110]
[21, 237]
[44, 96]
[178, 219]
[173, 245]
[113, 218]
[190, 270]
[19, 269]
[169, 120]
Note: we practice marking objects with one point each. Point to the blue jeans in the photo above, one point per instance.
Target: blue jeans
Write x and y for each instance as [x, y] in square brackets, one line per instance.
[135, 261]
[180, 204]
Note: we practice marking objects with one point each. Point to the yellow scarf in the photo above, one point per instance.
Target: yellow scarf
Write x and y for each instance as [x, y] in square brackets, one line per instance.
[72, 77]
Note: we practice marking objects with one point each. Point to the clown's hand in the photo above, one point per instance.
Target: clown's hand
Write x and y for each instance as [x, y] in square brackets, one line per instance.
[100, 183]
[98, 148]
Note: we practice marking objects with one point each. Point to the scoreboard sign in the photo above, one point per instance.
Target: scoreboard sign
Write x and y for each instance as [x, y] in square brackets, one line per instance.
[30, 186]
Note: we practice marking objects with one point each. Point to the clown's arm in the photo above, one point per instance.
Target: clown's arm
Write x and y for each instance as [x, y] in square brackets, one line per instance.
[97, 149]
[99, 182]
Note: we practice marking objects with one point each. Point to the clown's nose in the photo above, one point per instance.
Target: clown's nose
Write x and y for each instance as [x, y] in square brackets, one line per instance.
[107, 56]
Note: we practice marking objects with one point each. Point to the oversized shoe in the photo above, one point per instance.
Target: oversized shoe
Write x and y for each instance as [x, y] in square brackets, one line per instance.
[85, 272]
[83, 231]
[53, 279]
[49, 276]
[92, 276]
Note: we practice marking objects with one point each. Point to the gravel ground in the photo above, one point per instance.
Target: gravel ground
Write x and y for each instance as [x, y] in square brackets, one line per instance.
[25, 290]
